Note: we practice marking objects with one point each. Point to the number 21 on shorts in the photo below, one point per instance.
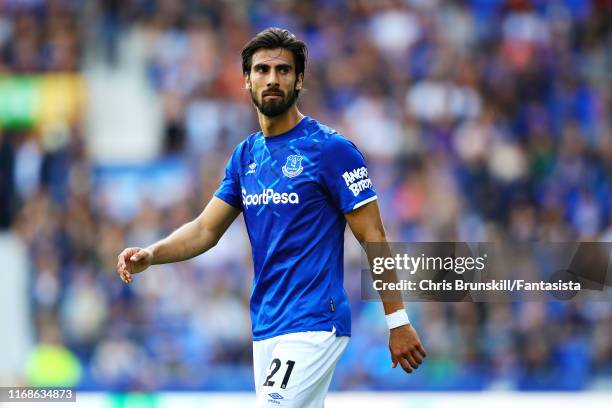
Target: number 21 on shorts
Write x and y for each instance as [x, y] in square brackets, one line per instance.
[275, 366]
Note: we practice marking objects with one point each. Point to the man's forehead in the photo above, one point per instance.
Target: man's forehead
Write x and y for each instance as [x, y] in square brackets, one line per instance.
[272, 56]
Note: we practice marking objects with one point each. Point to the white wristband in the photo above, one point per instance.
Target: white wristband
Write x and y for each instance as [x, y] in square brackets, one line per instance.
[397, 319]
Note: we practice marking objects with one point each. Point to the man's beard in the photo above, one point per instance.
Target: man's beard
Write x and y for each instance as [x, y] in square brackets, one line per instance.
[275, 108]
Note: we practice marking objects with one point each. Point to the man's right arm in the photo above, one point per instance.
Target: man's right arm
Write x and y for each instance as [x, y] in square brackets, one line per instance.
[188, 241]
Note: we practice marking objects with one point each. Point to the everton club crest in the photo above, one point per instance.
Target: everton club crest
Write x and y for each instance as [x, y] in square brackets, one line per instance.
[293, 167]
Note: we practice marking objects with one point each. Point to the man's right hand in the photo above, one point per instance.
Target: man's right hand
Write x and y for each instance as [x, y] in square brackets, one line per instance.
[131, 261]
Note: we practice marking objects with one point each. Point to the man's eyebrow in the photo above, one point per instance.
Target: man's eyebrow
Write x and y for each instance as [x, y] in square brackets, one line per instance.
[264, 65]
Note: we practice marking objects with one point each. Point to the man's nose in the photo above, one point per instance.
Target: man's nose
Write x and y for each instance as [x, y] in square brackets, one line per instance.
[272, 78]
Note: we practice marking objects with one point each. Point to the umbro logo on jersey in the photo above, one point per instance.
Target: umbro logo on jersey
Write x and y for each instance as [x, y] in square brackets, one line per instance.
[276, 395]
[293, 167]
[252, 167]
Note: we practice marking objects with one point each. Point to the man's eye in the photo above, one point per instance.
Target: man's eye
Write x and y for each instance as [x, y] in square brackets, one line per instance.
[260, 69]
[284, 70]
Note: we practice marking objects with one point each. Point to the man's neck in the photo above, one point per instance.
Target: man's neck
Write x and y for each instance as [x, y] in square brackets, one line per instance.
[279, 124]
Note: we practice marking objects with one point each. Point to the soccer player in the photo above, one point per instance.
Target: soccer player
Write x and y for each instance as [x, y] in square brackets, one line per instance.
[298, 183]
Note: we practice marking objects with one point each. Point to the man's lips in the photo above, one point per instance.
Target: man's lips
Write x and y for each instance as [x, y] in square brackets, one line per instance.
[272, 94]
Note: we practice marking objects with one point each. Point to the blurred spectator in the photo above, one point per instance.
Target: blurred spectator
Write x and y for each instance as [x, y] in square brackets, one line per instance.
[51, 364]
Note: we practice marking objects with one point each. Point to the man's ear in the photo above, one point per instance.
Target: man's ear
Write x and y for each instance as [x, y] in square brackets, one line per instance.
[247, 81]
[300, 82]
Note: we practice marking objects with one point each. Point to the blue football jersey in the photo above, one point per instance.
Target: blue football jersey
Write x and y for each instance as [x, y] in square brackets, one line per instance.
[294, 189]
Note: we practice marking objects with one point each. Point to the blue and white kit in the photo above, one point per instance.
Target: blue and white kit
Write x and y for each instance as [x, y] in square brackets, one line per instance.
[294, 189]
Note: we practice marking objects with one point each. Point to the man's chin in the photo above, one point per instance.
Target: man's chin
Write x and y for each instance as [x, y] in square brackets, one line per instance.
[272, 110]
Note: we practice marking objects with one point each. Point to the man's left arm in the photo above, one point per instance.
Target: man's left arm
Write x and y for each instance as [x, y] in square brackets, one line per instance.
[404, 343]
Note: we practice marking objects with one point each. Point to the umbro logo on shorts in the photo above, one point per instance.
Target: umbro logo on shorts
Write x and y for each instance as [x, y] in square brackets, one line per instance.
[276, 395]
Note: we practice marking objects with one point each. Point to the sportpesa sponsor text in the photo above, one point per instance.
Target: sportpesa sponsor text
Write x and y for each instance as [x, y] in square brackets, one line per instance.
[268, 195]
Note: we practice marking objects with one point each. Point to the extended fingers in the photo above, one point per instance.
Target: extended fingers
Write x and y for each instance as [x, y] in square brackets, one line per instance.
[123, 269]
[417, 358]
[405, 365]
[409, 358]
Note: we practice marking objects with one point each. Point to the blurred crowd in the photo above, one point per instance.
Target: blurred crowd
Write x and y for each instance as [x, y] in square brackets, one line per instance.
[480, 120]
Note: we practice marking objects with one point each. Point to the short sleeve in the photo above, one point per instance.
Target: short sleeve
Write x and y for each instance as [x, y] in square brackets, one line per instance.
[229, 189]
[344, 174]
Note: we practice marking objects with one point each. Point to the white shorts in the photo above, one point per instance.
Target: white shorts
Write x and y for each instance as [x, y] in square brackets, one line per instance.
[295, 369]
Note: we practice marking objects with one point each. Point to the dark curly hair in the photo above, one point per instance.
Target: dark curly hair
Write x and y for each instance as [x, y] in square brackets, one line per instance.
[272, 38]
